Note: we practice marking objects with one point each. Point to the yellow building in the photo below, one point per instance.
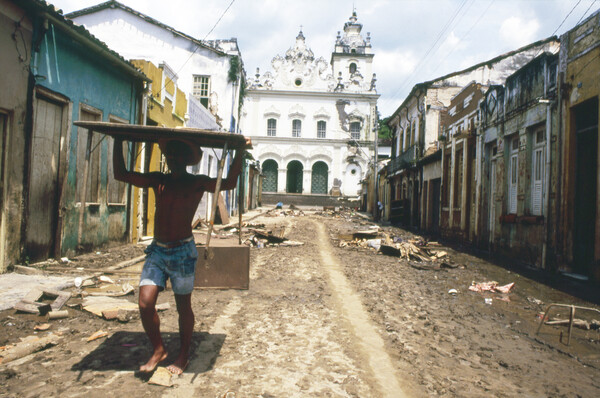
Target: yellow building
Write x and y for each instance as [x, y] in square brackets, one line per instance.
[166, 107]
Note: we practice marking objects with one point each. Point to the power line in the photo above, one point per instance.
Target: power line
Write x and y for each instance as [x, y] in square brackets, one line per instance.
[198, 46]
[465, 35]
[433, 46]
[586, 11]
[563, 21]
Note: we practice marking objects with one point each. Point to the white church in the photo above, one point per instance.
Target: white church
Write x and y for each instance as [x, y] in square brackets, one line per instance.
[312, 121]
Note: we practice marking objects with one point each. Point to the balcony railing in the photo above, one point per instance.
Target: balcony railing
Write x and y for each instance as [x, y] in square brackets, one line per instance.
[405, 160]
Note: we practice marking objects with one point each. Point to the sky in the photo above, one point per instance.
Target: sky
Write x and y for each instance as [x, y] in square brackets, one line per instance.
[413, 40]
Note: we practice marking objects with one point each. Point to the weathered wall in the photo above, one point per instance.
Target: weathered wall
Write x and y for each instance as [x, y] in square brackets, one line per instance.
[580, 62]
[13, 109]
[86, 78]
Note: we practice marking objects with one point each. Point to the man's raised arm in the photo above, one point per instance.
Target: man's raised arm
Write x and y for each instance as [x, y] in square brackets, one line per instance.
[121, 172]
[234, 171]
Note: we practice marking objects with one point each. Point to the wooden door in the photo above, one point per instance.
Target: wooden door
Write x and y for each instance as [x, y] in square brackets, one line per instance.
[42, 205]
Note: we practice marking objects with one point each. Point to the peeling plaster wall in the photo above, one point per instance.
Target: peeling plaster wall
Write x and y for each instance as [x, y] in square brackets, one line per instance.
[13, 106]
[87, 79]
[579, 65]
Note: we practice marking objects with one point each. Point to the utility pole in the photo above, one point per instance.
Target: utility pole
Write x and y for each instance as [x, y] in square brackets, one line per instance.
[375, 155]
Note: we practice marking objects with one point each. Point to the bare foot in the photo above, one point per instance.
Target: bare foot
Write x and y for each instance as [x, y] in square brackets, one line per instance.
[178, 367]
[158, 356]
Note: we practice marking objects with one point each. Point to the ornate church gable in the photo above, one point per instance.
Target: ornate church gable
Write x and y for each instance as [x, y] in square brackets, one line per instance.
[297, 70]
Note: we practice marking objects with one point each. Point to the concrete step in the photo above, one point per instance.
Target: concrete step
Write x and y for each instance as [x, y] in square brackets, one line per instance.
[308, 200]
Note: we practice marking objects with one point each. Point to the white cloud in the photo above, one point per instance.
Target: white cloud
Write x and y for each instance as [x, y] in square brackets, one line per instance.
[518, 32]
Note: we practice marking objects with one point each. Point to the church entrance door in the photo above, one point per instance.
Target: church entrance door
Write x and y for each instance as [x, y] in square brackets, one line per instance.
[319, 178]
[294, 177]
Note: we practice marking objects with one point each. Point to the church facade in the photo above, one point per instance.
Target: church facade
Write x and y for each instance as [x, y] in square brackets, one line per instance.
[312, 122]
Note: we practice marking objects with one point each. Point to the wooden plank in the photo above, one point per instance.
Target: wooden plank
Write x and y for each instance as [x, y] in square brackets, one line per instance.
[139, 133]
[32, 307]
[62, 298]
[222, 210]
[33, 295]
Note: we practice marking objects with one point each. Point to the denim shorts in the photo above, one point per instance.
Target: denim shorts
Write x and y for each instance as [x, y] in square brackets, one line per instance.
[177, 264]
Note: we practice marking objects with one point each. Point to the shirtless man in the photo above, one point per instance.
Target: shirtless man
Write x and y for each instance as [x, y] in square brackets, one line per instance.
[172, 254]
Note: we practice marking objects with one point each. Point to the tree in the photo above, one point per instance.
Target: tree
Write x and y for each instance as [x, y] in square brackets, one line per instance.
[384, 131]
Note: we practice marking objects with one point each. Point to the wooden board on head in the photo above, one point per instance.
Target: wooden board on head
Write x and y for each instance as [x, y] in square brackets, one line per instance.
[140, 133]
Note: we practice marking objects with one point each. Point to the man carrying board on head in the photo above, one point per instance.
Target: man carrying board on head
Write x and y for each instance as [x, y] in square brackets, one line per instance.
[172, 254]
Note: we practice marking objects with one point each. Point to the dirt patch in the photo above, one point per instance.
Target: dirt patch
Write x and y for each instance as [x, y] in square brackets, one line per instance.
[289, 335]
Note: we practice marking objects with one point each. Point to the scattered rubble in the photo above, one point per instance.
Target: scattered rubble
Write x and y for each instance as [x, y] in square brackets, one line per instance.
[490, 287]
[27, 346]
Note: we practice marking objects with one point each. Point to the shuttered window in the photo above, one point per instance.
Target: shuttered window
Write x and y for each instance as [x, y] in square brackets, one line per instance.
[537, 173]
[513, 175]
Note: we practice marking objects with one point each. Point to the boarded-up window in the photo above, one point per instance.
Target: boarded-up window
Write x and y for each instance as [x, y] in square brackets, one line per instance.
[116, 190]
[458, 178]
[92, 189]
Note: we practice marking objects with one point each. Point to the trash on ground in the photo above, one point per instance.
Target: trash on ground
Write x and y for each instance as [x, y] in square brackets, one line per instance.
[98, 304]
[58, 314]
[453, 291]
[123, 290]
[488, 301]
[161, 377]
[105, 279]
[42, 327]
[374, 243]
[33, 304]
[97, 335]
[491, 286]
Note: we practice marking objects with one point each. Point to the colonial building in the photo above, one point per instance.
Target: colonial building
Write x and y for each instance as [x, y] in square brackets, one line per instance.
[312, 121]
[58, 195]
[210, 73]
[459, 171]
[518, 152]
[417, 124]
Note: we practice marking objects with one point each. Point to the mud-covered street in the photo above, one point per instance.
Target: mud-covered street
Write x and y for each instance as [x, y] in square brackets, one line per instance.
[326, 320]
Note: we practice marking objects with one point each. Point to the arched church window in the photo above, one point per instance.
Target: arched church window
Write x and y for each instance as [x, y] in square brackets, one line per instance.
[352, 68]
[271, 127]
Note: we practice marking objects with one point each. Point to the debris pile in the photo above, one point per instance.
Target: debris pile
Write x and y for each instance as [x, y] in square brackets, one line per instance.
[284, 213]
[421, 253]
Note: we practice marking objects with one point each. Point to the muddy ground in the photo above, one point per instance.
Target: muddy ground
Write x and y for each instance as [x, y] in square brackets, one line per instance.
[320, 320]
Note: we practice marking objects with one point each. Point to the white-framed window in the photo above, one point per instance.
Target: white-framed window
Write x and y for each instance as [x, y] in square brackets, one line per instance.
[513, 174]
[296, 128]
[355, 130]
[271, 127]
[201, 89]
[321, 129]
[538, 157]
